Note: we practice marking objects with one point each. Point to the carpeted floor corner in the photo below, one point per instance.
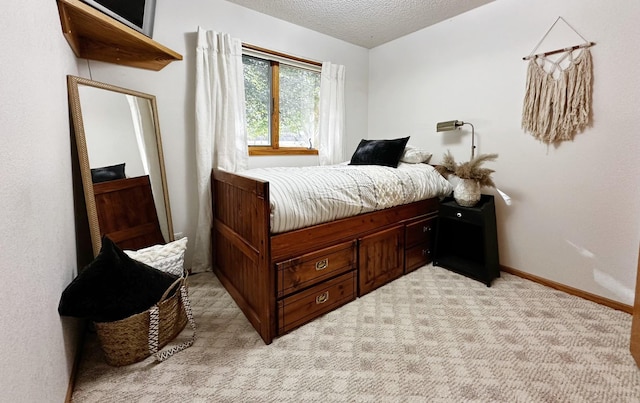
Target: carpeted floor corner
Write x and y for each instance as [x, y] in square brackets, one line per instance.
[430, 336]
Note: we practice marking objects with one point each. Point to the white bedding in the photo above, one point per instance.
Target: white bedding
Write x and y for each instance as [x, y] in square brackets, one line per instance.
[305, 196]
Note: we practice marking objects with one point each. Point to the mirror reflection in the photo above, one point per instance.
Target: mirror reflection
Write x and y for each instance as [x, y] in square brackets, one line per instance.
[118, 128]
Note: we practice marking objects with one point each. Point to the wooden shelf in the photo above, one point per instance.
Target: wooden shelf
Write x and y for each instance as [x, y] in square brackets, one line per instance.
[96, 36]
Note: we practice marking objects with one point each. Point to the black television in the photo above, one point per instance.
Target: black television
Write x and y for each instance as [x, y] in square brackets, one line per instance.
[137, 14]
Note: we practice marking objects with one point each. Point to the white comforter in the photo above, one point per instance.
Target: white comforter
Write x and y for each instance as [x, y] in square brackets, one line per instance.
[305, 196]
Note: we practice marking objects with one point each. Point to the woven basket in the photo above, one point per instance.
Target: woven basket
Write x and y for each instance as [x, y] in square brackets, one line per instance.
[126, 341]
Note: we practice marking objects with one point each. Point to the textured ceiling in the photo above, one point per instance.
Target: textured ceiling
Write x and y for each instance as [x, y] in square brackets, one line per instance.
[366, 23]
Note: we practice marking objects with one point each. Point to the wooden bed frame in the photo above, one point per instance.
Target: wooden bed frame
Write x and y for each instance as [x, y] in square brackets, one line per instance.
[126, 212]
[281, 281]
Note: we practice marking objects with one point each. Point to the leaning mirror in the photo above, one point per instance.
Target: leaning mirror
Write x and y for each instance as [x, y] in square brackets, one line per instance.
[121, 164]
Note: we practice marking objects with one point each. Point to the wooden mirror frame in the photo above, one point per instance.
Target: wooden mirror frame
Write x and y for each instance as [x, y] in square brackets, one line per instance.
[83, 158]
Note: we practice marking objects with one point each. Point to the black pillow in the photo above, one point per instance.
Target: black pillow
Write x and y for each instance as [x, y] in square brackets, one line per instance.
[104, 174]
[379, 152]
[113, 286]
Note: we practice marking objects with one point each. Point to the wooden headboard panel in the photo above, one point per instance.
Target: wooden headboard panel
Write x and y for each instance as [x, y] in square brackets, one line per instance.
[127, 213]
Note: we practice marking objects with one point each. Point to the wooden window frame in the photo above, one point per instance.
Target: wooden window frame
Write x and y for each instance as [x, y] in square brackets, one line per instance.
[274, 148]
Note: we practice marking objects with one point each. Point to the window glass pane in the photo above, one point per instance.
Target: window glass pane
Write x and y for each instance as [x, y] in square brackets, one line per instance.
[299, 104]
[257, 90]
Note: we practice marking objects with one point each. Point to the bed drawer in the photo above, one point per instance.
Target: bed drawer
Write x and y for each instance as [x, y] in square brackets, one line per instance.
[417, 256]
[306, 270]
[420, 231]
[307, 305]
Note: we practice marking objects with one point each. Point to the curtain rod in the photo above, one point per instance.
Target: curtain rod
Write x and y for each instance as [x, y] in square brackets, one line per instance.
[553, 52]
[284, 55]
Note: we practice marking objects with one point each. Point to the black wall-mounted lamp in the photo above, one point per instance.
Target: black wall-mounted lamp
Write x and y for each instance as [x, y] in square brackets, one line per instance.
[455, 124]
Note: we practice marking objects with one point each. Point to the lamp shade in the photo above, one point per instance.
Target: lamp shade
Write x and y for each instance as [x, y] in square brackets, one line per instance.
[448, 126]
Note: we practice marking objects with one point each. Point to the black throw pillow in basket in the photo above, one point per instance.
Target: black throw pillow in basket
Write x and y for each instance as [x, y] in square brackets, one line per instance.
[113, 286]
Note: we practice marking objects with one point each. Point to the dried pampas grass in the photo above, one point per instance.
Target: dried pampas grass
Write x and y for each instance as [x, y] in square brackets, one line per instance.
[469, 170]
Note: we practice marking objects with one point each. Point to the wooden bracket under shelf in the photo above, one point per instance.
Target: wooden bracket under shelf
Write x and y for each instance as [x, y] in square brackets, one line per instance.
[96, 36]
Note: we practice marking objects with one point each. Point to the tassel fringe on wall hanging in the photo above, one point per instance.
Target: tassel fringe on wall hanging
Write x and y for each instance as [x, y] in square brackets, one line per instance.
[557, 102]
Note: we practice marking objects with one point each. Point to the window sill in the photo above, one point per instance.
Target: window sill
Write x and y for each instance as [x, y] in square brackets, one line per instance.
[258, 151]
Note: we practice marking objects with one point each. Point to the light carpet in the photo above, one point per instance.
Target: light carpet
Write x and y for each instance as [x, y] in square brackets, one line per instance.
[430, 336]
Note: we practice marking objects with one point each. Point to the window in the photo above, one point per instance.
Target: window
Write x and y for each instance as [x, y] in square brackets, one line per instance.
[282, 96]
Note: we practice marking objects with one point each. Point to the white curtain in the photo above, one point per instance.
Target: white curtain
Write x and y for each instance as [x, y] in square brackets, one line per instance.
[221, 140]
[332, 111]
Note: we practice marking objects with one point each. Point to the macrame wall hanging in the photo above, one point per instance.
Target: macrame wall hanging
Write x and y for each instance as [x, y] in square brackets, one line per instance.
[557, 101]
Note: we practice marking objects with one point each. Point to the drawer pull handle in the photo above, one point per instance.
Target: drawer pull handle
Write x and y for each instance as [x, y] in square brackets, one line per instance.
[426, 228]
[459, 215]
[322, 298]
[323, 264]
[426, 252]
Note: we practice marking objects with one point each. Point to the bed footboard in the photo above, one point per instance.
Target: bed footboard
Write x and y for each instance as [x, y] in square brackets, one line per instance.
[241, 246]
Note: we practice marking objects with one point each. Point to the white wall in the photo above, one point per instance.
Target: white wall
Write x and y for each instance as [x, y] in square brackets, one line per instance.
[575, 217]
[37, 235]
[175, 26]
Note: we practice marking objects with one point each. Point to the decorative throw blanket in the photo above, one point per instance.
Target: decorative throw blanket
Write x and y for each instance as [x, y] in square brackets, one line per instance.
[305, 196]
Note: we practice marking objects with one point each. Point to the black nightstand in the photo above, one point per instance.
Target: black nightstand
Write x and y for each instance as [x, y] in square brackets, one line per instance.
[466, 239]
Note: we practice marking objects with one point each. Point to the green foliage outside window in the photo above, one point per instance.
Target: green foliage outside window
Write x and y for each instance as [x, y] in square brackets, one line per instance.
[299, 100]
[257, 89]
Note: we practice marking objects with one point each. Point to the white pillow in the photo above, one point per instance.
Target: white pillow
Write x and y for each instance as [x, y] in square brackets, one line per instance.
[168, 258]
[414, 155]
